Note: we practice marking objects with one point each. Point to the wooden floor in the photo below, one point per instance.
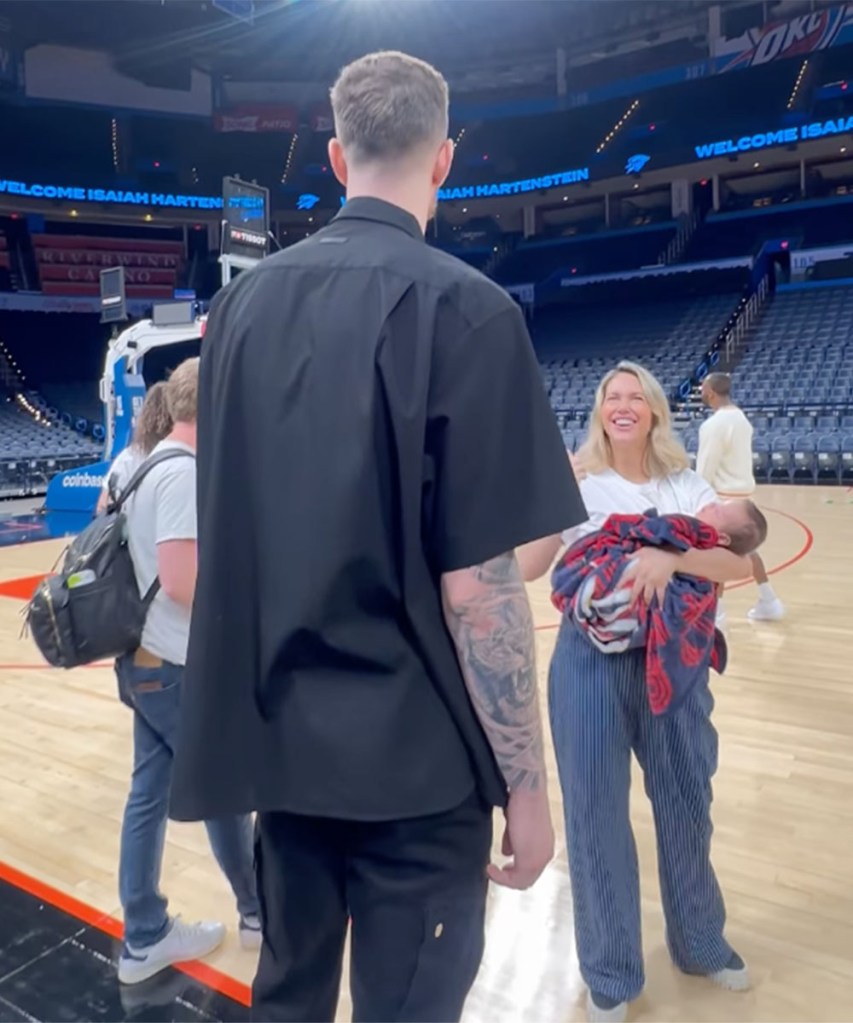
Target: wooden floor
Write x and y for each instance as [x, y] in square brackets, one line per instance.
[783, 806]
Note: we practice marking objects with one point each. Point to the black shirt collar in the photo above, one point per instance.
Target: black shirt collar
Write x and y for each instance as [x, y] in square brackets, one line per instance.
[380, 212]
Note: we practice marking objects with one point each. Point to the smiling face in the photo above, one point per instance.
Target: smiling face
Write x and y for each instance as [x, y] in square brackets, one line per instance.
[625, 413]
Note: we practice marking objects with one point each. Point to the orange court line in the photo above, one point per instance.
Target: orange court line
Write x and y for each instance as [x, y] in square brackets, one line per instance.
[21, 589]
[201, 972]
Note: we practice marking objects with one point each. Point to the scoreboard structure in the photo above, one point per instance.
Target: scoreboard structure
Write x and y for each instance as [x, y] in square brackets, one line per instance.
[245, 226]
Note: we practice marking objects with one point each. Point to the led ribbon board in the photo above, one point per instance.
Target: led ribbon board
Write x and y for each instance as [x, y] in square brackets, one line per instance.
[569, 177]
[780, 137]
[117, 196]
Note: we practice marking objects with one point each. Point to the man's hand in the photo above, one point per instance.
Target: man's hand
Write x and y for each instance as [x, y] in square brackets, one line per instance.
[528, 839]
[649, 573]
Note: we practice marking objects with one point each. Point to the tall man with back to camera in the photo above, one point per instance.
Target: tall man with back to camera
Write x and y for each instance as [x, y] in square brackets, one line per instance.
[724, 460]
[374, 442]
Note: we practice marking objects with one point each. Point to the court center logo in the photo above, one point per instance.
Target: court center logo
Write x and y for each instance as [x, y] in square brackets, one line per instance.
[636, 163]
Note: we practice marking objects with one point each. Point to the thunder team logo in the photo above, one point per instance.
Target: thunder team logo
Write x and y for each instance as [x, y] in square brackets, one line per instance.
[636, 163]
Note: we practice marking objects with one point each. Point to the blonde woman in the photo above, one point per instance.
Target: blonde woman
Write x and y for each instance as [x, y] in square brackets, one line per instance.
[153, 425]
[599, 714]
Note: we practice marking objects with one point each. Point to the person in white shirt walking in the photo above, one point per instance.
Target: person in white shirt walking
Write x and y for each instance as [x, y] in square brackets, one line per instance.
[154, 425]
[725, 461]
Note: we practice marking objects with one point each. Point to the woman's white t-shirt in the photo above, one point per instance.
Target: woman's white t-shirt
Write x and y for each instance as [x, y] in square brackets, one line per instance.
[125, 465]
[607, 493]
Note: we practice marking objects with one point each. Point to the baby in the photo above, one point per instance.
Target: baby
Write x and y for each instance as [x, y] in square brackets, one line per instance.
[591, 587]
[741, 525]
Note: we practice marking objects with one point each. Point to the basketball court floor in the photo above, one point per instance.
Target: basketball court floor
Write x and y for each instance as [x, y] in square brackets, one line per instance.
[783, 811]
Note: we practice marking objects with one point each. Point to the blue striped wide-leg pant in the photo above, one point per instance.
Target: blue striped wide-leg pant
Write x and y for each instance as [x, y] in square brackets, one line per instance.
[599, 713]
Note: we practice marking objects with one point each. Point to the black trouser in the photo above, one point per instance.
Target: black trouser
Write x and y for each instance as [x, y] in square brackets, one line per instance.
[415, 891]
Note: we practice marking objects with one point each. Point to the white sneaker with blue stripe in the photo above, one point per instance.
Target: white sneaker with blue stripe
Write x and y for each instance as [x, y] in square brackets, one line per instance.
[182, 943]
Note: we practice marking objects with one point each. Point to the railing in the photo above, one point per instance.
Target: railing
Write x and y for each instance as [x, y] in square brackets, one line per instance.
[29, 477]
[746, 319]
[686, 229]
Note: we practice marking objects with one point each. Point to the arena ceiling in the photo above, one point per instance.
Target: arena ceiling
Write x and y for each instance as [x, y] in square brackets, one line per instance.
[310, 39]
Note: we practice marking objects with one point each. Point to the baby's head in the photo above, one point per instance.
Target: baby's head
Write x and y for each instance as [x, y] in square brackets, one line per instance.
[741, 525]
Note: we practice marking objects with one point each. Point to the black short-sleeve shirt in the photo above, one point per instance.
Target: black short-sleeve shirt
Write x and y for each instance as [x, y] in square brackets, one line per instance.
[371, 415]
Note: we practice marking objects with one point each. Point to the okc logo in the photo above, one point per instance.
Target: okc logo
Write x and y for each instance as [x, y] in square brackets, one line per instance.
[307, 201]
[636, 163]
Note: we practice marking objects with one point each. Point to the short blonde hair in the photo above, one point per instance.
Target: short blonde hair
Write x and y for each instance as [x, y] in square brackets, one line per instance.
[386, 105]
[182, 392]
[664, 452]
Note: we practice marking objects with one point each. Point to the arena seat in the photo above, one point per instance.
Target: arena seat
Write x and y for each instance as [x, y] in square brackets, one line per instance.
[828, 459]
[847, 458]
[761, 459]
[577, 345]
[76, 398]
[22, 437]
[801, 357]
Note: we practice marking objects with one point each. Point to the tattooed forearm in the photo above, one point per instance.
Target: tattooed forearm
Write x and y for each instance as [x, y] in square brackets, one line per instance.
[488, 615]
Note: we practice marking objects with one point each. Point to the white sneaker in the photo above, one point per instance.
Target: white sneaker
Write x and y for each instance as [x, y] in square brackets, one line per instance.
[182, 943]
[610, 1012]
[734, 977]
[767, 611]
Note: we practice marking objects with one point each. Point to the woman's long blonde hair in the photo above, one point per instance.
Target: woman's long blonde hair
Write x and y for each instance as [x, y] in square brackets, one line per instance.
[664, 452]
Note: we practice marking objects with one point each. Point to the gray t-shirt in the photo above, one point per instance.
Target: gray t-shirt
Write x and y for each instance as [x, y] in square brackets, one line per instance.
[163, 508]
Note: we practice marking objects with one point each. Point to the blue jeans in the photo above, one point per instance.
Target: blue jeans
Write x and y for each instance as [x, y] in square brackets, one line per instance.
[154, 695]
[599, 714]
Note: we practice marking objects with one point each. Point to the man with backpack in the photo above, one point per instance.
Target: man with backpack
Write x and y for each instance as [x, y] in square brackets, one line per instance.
[161, 534]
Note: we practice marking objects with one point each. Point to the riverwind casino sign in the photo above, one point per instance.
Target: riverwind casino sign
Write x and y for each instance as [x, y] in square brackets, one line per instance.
[780, 137]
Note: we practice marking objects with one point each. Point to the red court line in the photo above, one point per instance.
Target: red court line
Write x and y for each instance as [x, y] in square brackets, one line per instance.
[201, 972]
[801, 553]
[808, 543]
[21, 589]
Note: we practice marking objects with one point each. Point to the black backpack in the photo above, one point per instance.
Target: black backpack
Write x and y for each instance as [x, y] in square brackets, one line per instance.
[92, 608]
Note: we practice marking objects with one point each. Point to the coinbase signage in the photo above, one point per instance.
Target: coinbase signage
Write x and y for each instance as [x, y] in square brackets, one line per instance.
[109, 195]
[569, 177]
[782, 137]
